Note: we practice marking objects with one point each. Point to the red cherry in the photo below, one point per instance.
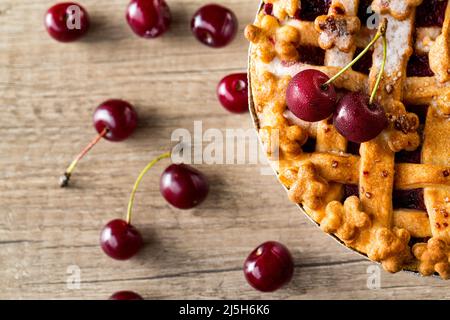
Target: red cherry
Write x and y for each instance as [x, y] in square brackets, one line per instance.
[67, 21]
[125, 295]
[269, 267]
[214, 25]
[183, 187]
[114, 120]
[120, 240]
[149, 18]
[358, 120]
[232, 92]
[118, 117]
[309, 98]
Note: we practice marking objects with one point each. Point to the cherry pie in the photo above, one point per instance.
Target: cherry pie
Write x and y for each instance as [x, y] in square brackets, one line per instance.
[389, 197]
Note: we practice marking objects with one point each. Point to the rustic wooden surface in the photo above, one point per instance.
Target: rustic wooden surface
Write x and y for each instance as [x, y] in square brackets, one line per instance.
[48, 91]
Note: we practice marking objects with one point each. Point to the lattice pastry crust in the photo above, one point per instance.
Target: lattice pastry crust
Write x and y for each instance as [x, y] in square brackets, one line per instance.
[281, 42]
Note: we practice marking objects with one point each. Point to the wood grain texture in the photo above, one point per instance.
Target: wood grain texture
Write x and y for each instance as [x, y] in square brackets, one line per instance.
[47, 95]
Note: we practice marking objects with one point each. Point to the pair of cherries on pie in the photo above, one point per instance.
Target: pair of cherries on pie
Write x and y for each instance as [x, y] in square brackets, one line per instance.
[311, 97]
[213, 25]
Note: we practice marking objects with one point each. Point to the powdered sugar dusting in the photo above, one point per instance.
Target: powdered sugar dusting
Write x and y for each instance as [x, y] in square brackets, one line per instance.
[280, 69]
[398, 37]
[425, 38]
[336, 58]
[349, 6]
[398, 5]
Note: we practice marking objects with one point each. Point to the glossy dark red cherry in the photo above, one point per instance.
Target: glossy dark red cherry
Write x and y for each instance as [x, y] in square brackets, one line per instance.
[358, 120]
[183, 187]
[149, 18]
[214, 25]
[309, 98]
[125, 295]
[232, 92]
[114, 120]
[269, 267]
[118, 117]
[120, 240]
[67, 21]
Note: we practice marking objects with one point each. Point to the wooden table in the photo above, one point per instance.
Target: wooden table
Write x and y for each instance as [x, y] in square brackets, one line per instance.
[48, 92]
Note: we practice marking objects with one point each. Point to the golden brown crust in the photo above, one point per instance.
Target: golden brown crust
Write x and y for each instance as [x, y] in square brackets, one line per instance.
[345, 168]
[439, 55]
[337, 30]
[433, 256]
[390, 247]
[415, 221]
[284, 8]
[314, 180]
[309, 187]
[346, 220]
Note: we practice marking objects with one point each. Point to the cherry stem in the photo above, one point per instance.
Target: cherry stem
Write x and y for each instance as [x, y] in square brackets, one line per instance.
[138, 181]
[64, 180]
[381, 32]
[380, 74]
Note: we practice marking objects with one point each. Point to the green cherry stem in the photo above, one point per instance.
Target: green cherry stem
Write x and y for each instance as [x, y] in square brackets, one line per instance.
[380, 74]
[381, 32]
[138, 181]
[65, 178]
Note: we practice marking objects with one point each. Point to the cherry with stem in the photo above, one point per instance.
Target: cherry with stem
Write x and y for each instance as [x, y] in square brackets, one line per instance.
[138, 181]
[310, 95]
[380, 33]
[114, 120]
[119, 239]
[356, 110]
[181, 185]
[64, 180]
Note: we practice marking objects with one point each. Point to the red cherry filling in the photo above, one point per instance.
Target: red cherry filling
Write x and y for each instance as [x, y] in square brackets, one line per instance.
[409, 199]
[67, 22]
[431, 13]
[148, 18]
[365, 63]
[311, 9]
[419, 66]
[268, 8]
[232, 92]
[309, 98]
[183, 187]
[408, 156]
[311, 55]
[363, 13]
[120, 240]
[350, 190]
[269, 267]
[357, 119]
[214, 25]
[353, 148]
[309, 146]
[125, 295]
